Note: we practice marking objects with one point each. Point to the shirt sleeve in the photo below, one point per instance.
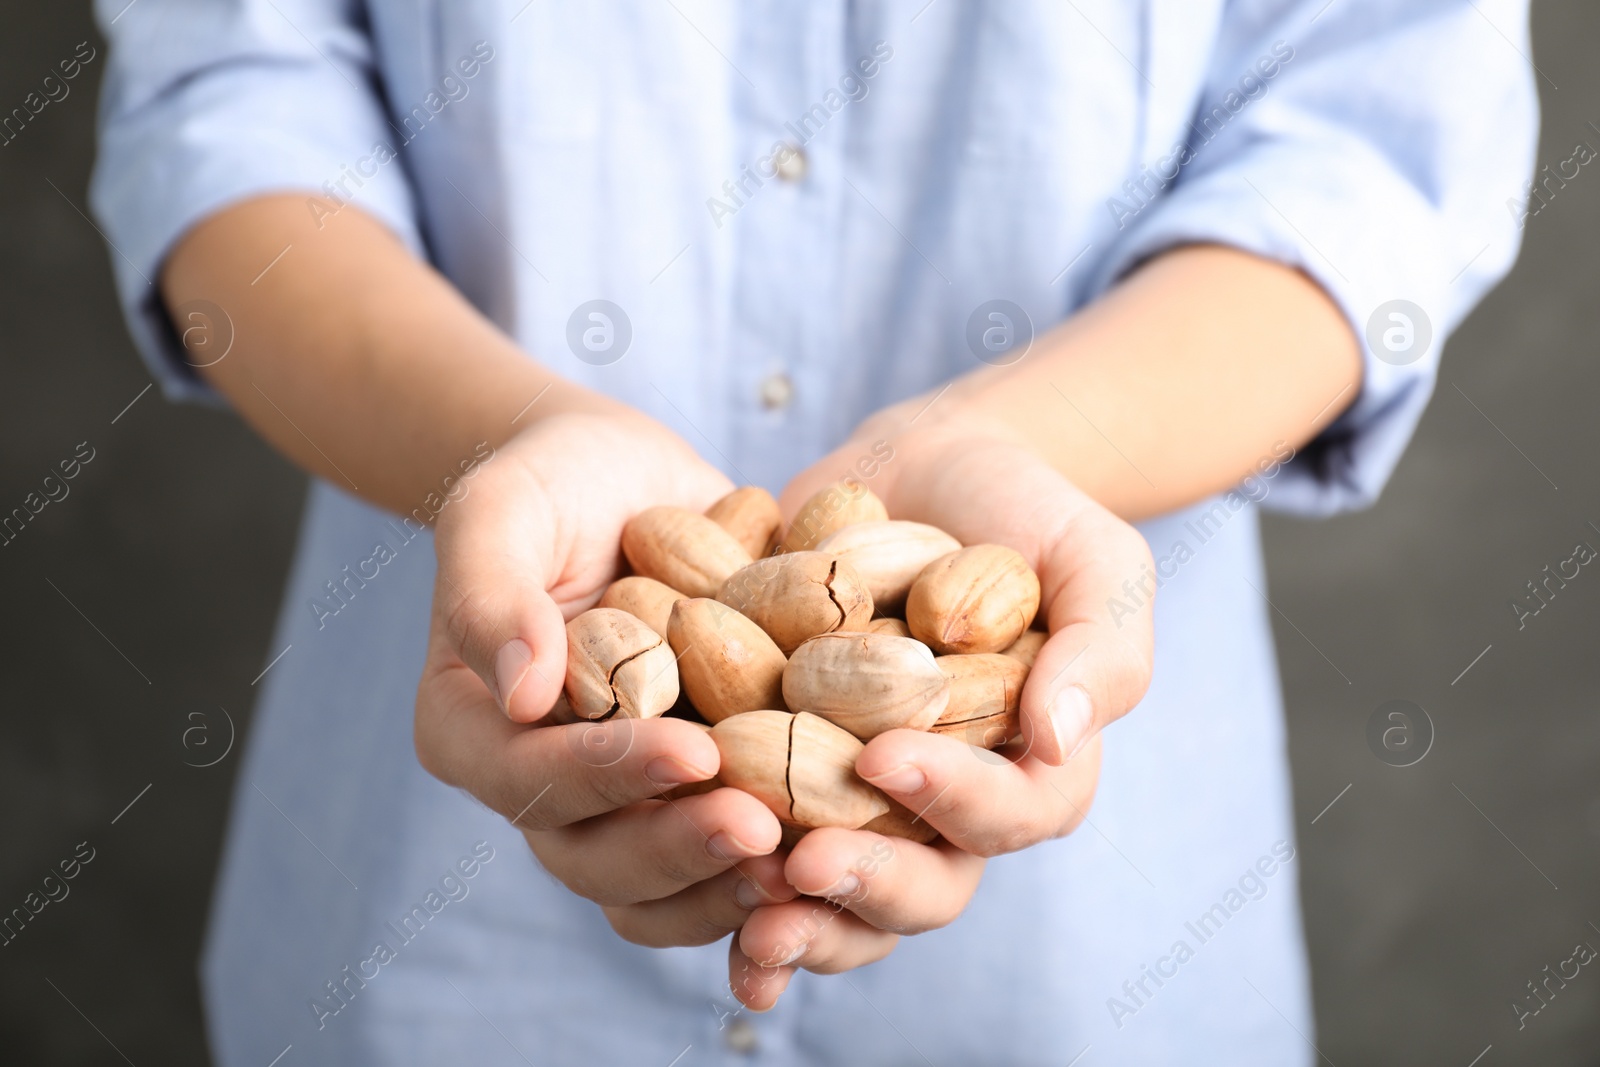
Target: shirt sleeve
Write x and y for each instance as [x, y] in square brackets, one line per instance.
[209, 102]
[1374, 145]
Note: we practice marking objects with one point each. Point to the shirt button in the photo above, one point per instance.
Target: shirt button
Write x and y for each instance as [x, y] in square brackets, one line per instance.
[791, 164]
[740, 1037]
[776, 391]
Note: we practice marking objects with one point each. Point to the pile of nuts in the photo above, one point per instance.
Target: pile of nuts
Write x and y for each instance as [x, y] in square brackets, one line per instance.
[794, 653]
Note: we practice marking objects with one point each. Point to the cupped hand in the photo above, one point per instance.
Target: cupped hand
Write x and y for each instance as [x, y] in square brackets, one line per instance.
[534, 542]
[860, 892]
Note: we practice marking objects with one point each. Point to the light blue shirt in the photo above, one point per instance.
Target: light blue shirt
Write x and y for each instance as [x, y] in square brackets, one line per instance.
[544, 155]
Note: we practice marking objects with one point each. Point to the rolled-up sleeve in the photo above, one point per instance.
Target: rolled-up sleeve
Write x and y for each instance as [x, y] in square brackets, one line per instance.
[1378, 156]
[209, 102]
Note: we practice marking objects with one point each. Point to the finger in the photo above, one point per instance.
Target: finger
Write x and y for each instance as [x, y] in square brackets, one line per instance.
[706, 911]
[756, 986]
[890, 883]
[654, 849]
[493, 553]
[542, 777]
[815, 935]
[980, 801]
[1098, 582]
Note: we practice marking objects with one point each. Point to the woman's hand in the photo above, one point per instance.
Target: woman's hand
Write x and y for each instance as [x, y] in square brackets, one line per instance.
[534, 543]
[862, 891]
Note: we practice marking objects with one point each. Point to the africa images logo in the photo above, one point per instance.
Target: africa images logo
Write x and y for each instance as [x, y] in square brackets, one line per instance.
[999, 332]
[599, 332]
[1399, 332]
[1400, 733]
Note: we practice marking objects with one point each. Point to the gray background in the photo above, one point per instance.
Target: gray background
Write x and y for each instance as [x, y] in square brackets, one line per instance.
[1425, 916]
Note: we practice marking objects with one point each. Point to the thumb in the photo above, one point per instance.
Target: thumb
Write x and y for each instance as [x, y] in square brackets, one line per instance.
[490, 596]
[1096, 664]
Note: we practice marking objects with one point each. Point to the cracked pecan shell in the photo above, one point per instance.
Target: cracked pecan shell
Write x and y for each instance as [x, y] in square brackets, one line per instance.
[800, 766]
[798, 595]
[985, 698]
[618, 666]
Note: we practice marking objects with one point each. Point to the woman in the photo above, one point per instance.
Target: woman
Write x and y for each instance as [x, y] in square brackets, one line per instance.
[520, 270]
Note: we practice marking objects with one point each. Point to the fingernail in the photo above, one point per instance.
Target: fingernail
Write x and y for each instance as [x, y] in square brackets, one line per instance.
[1071, 716]
[800, 950]
[664, 770]
[748, 895]
[903, 779]
[845, 888]
[511, 665]
[724, 846]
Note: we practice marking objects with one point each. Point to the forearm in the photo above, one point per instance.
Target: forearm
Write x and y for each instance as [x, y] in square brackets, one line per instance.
[1177, 383]
[352, 357]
